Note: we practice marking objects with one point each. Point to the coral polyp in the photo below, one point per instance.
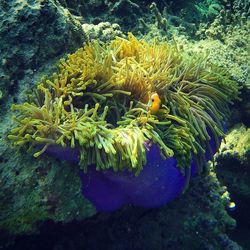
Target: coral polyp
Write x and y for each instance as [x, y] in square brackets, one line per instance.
[96, 102]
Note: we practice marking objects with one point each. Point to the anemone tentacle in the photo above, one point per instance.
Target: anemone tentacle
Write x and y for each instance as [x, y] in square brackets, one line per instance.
[96, 101]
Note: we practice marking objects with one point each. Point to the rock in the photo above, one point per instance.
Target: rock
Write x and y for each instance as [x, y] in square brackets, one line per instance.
[33, 33]
[233, 168]
[197, 220]
[235, 150]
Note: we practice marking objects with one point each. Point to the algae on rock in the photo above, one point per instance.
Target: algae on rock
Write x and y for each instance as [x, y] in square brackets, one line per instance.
[32, 34]
[233, 170]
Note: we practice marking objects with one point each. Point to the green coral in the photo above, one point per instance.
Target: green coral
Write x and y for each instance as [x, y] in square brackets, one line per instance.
[96, 101]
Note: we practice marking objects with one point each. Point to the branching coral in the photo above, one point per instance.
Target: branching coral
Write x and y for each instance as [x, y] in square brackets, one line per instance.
[96, 102]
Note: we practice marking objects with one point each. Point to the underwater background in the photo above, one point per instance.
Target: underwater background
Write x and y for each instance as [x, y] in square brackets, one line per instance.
[41, 200]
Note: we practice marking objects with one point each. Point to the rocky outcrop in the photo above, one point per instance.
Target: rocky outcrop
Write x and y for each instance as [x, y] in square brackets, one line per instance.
[32, 34]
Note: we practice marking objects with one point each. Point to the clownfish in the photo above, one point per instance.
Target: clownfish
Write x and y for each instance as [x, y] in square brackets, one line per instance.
[154, 103]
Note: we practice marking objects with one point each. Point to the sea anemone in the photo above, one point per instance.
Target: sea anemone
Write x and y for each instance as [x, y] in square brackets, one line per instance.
[96, 104]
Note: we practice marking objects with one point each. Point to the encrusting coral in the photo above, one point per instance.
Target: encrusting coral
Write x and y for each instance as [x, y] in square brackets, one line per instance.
[97, 102]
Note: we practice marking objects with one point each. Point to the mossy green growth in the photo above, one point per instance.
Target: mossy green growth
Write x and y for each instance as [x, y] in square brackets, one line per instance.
[96, 101]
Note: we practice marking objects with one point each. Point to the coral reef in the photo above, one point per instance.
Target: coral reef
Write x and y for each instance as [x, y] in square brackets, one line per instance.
[226, 42]
[229, 52]
[170, 16]
[34, 34]
[103, 31]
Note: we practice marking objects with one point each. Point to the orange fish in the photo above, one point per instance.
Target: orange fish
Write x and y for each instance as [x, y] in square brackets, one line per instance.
[154, 103]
